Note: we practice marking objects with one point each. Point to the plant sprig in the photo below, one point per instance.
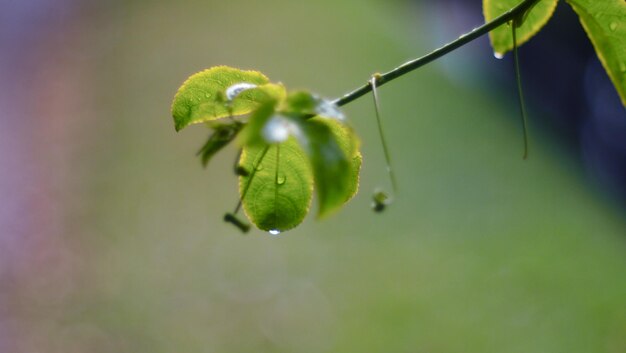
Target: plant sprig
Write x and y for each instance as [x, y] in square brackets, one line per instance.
[292, 143]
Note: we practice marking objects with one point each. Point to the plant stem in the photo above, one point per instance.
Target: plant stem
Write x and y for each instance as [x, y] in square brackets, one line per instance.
[392, 177]
[437, 53]
[255, 167]
[520, 92]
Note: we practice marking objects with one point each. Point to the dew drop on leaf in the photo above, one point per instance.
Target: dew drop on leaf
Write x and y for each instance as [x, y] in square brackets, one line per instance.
[281, 179]
[613, 26]
[277, 129]
[234, 90]
[329, 110]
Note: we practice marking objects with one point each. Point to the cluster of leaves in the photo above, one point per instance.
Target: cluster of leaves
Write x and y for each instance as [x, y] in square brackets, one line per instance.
[291, 143]
[603, 20]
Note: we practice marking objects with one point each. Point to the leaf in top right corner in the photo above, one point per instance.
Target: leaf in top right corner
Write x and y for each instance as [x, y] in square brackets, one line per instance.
[534, 20]
[605, 24]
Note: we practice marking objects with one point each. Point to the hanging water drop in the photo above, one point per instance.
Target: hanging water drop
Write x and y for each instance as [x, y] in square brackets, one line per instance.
[497, 55]
[274, 231]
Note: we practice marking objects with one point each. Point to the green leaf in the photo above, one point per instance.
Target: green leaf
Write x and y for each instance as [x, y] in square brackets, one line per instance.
[332, 148]
[222, 135]
[349, 144]
[334, 180]
[205, 95]
[605, 24]
[252, 133]
[277, 192]
[534, 19]
[307, 104]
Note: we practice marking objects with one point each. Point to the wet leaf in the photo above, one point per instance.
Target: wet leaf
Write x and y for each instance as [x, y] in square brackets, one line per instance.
[533, 21]
[349, 144]
[605, 24]
[332, 148]
[277, 192]
[334, 180]
[305, 103]
[252, 132]
[205, 95]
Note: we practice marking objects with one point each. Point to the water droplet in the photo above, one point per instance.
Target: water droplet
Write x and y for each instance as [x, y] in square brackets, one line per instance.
[274, 231]
[498, 55]
[277, 129]
[613, 26]
[207, 95]
[327, 109]
[234, 90]
[259, 167]
[281, 179]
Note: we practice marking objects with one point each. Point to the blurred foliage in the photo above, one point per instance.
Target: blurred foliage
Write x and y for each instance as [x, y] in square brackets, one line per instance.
[605, 24]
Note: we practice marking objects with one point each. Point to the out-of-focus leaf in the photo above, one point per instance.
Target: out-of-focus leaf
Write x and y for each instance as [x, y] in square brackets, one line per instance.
[605, 24]
[334, 182]
[305, 103]
[252, 132]
[349, 144]
[222, 135]
[534, 19]
[219, 92]
[278, 190]
[332, 148]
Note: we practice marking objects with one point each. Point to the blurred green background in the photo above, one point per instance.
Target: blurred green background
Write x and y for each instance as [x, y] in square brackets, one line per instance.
[118, 244]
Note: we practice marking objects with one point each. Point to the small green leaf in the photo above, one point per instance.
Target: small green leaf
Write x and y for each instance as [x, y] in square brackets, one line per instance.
[605, 24]
[349, 144]
[277, 193]
[305, 103]
[252, 133]
[332, 148]
[205, 95]
[222, 135]
[301, 102]
[534, 20]
[334, 181]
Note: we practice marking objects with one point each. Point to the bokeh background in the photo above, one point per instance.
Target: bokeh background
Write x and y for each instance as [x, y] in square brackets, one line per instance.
[111, 238]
